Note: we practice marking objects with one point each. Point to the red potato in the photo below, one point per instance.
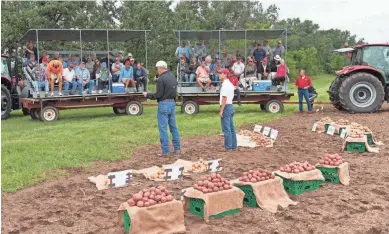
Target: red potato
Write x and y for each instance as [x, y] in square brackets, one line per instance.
[146, 194]
[160, 187]
[226, 186]
[151, 196]
[195, 186]
[245, 173]
[163, 194]
[336, 163]
[158, 192]
[216, 189]
[147, 204]
[267, 177]
[218, 176]
[200, 183]
[272, 176]
[253, 180]
[163, 199]
[140, 204]
[249, 176]
[331, 163]
[145, 199]
[169, 198]
[213, 176]
[206, 181]
[137, 197]
[251, 171]
[216, 180]
[158, 197]
[141, 193]
[131, 202]
[205, 190]
[282, 168]
[296, 171]
[211, 185]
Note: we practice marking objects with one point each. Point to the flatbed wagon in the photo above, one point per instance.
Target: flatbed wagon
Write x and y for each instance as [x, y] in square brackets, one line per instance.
[47, 108]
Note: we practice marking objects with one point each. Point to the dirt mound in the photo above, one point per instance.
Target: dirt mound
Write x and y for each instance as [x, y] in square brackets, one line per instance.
[73, 205]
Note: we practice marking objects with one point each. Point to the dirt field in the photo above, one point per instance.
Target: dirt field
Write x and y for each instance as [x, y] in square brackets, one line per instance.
[73, 205]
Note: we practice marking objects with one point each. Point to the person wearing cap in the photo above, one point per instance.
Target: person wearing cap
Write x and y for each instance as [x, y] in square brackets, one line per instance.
[250, 75]
[251, 49]
[227, 110]
[263, 70]
[89, 65]
[109, 61]
[94, 57]
[281, 73]
[202, 76]
[303, 82]
[234, 80]
[102, 77]
[273, 67]
[116, 67]
[214, 75]
[279, 50]
[200, 49]
[267, 48]
[68, 78]
[41, 78]
[54, 72]
[226, 59]
[140, 74]
[129, 56]
[127, 75]
[165, 95]
[56, 56]
[82, 79]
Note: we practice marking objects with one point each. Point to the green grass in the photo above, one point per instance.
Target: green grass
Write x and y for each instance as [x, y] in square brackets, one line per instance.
[33, 151]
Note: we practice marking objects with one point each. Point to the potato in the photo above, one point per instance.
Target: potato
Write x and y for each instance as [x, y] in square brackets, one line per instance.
[169, 198]
[137, 197]
[245, 173]
[296, 171]
[216, 180]
[200, 183]
[210, 185]
[163, 199]
[216, 189]
[206, 181]
[163, 194]
[213, 176]
[336, 163]
[131, 202]
[147, 204]
[253, 180]
[240, 178]
[146, 194]
[158, 192]
[152, 196]
[272, 176]
[205, 190]
[140, 204]
[250, 176]
[331, 163]
[218, 176]
[145, 199]
[157, 197]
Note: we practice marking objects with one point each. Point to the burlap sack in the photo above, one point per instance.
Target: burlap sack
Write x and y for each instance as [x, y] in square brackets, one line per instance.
[338, 127]
[362, 140]
[320, 126]
[148, 172]
[343, 172]
[302, 176]
[161, 218]
[245, 141]
[269, 194]
[375, 142]
[217, 202]
[101, 181]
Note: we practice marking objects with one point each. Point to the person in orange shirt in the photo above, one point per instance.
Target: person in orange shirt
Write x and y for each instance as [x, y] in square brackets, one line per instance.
[54, 71]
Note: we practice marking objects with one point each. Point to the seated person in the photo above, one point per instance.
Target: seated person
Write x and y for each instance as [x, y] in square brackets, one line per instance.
[73, 60]
[54, 72]
[214, 75]
[82, 79]
[192, 69]
[140, 74]
[234, 80]
[29, 68]
[183, 56]
[250, 75]
[102, 77]
[238, 68]
[264, 70]
[233, 61]
[116, 68]
[127, 75]
[202, 74]
[282, 69]
[184, 71]
[41, 78]
[273, 66]
[69, 76]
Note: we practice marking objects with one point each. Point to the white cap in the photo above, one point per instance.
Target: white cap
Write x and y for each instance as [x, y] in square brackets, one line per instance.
[277, 58]
[129, 55]
[161, 64]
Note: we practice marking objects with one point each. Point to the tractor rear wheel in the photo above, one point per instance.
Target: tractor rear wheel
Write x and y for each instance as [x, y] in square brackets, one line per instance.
[361, 93]
[5, 102]
[334, 93]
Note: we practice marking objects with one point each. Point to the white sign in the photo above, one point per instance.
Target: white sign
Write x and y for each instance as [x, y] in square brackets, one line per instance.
[183, 193]
[257, 128]
[314, 127]
[119, 178]
[343, 133]
[173, 172]
[214, 165]
[266, 131]
[273, 134]
[331, 130]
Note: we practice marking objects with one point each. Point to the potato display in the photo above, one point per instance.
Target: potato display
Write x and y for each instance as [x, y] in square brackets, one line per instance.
[212, 183]
[199, 166]
[331, 160]
[150, 197]
[159, 175]
[326, 120]
[297, 167]
[254, 176]
[343, 122]
[258, 138]
[355, 133]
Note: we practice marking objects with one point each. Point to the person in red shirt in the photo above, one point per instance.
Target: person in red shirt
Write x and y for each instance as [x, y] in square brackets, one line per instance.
[234, 80]
[303, 82]
[282, 70]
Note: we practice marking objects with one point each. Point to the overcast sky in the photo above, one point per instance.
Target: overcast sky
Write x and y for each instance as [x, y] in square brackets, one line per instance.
[365, 18]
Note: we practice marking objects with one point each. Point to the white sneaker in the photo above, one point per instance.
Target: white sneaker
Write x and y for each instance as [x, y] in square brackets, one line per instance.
[60, 94]
[100, 91]
[46, 94]
[126, 90]
[52, 94]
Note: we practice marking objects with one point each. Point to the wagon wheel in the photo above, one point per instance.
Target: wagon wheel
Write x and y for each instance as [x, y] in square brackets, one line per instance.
[134, 108]
[190, 107]
[274, 106]
[49, 114]
[119, 110]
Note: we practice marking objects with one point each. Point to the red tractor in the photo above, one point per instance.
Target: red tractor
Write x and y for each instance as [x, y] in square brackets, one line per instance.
[363, 86]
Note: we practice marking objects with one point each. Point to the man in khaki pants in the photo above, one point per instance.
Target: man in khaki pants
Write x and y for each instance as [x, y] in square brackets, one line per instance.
[54, 71]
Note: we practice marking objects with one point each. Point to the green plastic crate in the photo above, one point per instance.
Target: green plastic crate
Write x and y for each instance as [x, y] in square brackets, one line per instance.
[300, 187]
[249, 197]
[196, 207]
[369, 138]
[331, 175]
[359, 147]
[127, 221]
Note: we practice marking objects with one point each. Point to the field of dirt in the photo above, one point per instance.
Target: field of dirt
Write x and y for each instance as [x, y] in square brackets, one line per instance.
[73, 205]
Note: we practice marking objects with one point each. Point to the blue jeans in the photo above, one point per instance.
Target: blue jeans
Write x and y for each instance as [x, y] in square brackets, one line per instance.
[78, 84]
[115, 78]
[41, 84]
[102, 83]
[237, 92]
[167, 116]
[304, 93]
[66, 86]
[214, 78]
[228, 128]
[192, 77]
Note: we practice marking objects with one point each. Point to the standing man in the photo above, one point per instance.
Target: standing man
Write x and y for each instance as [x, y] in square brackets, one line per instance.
[259, 54]
[227, 110]
[251, 49]
[279, 50]
[267, 48]
[303, 82]
[165, 96]
[200, 49]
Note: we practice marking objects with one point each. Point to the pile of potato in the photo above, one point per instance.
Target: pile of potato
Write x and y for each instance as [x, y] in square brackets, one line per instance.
[150, 197]
[212, 183]
[356, 133]
[297, 167]
[254, 176]
[159, 175]
[343, 122]
[199, 166]
[326, 120]
[258, 138]
[331, 160]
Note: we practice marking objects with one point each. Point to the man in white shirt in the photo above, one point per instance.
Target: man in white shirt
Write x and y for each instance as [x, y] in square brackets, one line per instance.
[68, 76]
[227, 110]
[238, 68]
[116, 68]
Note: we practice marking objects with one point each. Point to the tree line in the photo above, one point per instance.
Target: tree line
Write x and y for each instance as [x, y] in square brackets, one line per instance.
[309, 47]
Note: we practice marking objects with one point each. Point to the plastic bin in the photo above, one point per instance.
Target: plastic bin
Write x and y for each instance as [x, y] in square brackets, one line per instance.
[262, 85]
[118, 88]
[331, 175]
[359, 147]
[249, 199]
[300, 187]
[196, 207]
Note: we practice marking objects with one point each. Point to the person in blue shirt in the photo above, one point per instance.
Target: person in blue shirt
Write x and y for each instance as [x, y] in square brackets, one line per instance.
[259, 54]
[181, 49]
[127, 75]
[82, 79]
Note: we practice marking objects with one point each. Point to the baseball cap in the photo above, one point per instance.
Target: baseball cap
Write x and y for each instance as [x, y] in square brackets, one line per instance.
[224, 71]
[277, 58]
[104, 65]
[264, 60]
[161, 64]
[129, 55]
[132, 59]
